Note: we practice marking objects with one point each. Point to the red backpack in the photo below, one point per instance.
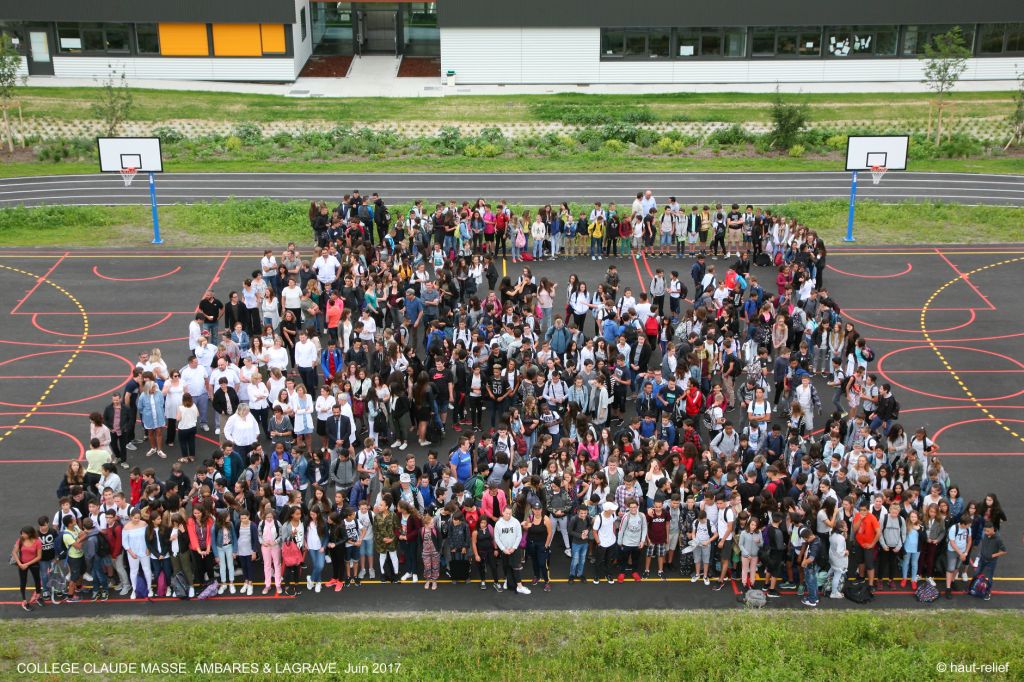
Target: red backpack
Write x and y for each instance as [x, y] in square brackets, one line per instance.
[651, 326]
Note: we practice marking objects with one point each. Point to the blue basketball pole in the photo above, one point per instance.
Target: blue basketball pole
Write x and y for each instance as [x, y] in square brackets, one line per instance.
[156, 215]
[849, 222]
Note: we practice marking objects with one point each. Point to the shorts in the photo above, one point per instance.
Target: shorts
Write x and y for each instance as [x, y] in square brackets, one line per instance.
[321, 427]
[860, 555]
[673, 542]
[657, 550]
[649, 239]
[442, 406]
[352, 552]
[77, 567]
[774, 564]
[703, 236]
[691, 237]
[953, 562]
[702, 554]
[366, 548]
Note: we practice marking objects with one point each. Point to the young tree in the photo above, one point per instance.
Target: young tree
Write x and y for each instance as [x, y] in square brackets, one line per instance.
[1016, 117]
[788, 121]
[10, 63]
[945, 60]
[115, 103]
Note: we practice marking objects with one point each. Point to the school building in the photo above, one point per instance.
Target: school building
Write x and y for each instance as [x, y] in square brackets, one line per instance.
[568, 42]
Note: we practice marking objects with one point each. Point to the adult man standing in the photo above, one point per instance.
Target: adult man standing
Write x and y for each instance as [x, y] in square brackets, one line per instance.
[197, 385]
[306, 361]
[211, 308]
[118, 420]
[413, 314]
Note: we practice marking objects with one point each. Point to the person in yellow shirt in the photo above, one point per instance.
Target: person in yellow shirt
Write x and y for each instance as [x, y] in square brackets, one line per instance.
[596, 230]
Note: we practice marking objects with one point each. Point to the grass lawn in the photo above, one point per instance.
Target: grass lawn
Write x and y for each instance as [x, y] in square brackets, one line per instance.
[160, 105]
[259, 222]
[830, 645]
[553, 162]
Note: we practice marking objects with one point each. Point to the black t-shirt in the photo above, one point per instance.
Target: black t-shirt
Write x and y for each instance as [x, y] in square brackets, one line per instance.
[442, 380]
[211, 308]
[49, 550]
[734, 215]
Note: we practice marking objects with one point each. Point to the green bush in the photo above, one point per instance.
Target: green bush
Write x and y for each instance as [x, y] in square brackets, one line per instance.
[449, 140]
[485, 150]
[249, 133]
[233, 143]
[493, 135]
[591, 115]
[836, 142]
[788, 121]
[797, 150]
[168, 135]
[646, 137]
[960, 146]
[734, 134]
[668, 145]
[65, 149]
[615, 146]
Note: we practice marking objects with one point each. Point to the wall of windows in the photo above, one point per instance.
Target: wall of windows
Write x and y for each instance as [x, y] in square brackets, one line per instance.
[801, 42]
[74, 38]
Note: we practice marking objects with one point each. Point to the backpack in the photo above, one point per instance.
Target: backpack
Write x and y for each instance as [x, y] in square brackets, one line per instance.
[858, 592]
[868, 354]
[737, 366]
[981, 586]
[520, 239]
[926, 592]
[102, 545]
[208, 591]
[651, 327]
[179, 585]
[895, 412]
[755, 599]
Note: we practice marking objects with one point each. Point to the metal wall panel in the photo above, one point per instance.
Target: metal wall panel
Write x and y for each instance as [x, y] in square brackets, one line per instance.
[241, 11]
[570, 54]
[184, 68]
[489, 55]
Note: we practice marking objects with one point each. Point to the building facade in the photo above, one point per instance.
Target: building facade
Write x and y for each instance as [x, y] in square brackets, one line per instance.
[565, 42]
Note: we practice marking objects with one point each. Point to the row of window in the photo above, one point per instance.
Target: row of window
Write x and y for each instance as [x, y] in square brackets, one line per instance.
[74, 38]
[801, 41]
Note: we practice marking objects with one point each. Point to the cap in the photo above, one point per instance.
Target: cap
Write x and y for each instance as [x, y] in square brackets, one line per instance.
[404, 478]
[610, 506]
[535, 505]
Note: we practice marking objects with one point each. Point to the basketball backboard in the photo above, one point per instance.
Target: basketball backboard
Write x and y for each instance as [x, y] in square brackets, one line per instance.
[863, 152]
[141, 153]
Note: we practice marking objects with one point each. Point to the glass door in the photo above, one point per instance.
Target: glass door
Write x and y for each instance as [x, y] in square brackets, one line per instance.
[40, 62]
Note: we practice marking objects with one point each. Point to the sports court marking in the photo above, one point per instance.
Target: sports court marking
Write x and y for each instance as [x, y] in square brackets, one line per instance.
[854, 274]
[968, 323]
[74, 352]
[880, 368]
[96, 271]
[965, 277]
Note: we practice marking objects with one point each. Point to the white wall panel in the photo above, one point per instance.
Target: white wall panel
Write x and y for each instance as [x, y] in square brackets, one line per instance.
[569, 55]
[178, 68]
[484, 55]
[302, 48]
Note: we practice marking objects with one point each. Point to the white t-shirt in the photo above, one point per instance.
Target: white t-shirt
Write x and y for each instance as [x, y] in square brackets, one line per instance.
[292, 297]
[326, 268]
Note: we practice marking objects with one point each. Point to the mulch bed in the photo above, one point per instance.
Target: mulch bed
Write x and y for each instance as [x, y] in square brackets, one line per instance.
[420, 67]
[334, 66]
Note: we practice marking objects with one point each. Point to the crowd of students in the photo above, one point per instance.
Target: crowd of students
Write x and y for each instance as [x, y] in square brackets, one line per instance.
[640, 433]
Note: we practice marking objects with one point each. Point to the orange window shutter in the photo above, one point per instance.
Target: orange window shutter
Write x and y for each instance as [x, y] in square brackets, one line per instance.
[273, 38]
[237, 40]
[184, 40]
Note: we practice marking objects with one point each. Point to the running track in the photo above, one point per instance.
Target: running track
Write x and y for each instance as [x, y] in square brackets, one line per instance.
[758, 188]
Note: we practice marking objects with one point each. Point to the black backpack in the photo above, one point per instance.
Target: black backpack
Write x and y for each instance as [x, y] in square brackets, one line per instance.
[102, 545]
[895, 412]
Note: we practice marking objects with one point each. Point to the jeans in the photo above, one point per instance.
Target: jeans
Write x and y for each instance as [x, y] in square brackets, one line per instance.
[538, 249]
[908, 565]
[227, 562]
[536, 550]
[579, 559]
[835, 579]
[987, 567]
[162, 566]
[316, 564]
[517, 253]
[187, 440]
[556, 244]
[202, 401]
[595, 247]
[811, 582]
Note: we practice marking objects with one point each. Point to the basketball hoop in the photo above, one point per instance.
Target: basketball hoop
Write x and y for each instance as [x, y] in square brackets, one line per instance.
[877, 172]
[128, 174]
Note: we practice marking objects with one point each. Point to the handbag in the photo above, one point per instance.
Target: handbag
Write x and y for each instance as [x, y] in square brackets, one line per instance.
[358, 407]
[291, 555]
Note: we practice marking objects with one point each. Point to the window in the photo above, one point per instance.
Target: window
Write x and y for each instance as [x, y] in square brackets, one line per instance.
[660, 44]
[302, 23]
[1000, 38]
[636, 44]
[787, 41]
[916, 37]
[75, 38]
[711, 42]
[147, 38]
[612, 41]
[640, 43]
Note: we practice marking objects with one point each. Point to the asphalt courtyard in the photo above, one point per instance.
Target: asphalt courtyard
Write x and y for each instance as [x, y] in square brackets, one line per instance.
[944, 323]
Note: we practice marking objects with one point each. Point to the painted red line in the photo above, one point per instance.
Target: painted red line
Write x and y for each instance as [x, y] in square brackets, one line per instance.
[854, 274]
[216, 276]
[639, 277]
[81, 448]
[39, 281]
[35, 323]
[65, 460]
[882, 310]
[923, 344]
[68, 376]
[70, 350]
[93, 345]
[164, 600]
[880, 368]
[966, 279]
[946, 371]
[118, 312]
[935, 436]
[96, 271]
[981, 454]
[968, 323]
[646, 266]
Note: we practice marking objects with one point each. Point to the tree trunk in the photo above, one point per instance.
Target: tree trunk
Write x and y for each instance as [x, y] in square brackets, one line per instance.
[938, 125]
[7, 130]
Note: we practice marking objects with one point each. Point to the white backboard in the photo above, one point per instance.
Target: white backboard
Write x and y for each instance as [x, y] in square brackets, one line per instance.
[141, 153]
[863, 152]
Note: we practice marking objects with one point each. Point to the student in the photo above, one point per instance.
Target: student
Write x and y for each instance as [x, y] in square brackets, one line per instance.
[508, 533]
[958, 546]
[27, 554]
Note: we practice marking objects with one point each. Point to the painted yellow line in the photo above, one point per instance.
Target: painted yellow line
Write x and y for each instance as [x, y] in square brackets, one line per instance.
[942, 358]
[249, 256]
[504, 266]
[75, 352]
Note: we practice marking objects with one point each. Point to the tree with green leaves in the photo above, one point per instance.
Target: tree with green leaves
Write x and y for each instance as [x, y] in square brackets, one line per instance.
[1016, 117]
[945, 60]
[788, 121]
[10, 77]
[115, 103]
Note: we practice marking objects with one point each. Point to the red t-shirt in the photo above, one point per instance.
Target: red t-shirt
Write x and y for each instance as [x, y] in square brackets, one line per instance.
[868, 529]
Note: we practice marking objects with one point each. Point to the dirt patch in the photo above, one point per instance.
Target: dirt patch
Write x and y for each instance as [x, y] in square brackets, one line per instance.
[20, 154]
[420, 67]
[334, 66]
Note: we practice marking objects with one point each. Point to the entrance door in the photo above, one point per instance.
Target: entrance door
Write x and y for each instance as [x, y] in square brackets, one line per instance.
[378, 32]
[40, 62]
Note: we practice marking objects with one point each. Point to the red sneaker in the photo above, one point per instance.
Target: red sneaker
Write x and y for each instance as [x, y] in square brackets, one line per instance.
[636, 576]
[332, 581]
[913, 585]
[622, 577]
[338, 586]
[457, 428]
[903, 583]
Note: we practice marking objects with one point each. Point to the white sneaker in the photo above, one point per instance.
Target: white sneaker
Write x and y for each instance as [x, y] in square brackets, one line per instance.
[415, 578]
[404, 445]
[362, 573]
[125, 590]
[191, 592]
[130, 446]
[133, 595]
[395, 444]
[424, 443]
[309, 583]
[707, 581]
[372, 575]
[216, 431]
[835, 595]
[405, 577]
[693, 578]
[317, 588]
[152, 451]
[522, 589]
[88, 577]
[231, 588]
[931, 581]
[222, 589]
[161, 454]
[568, 552]
[206, 427]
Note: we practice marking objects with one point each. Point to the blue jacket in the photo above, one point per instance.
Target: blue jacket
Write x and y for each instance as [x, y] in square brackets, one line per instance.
[253, 537]
[325, 354]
